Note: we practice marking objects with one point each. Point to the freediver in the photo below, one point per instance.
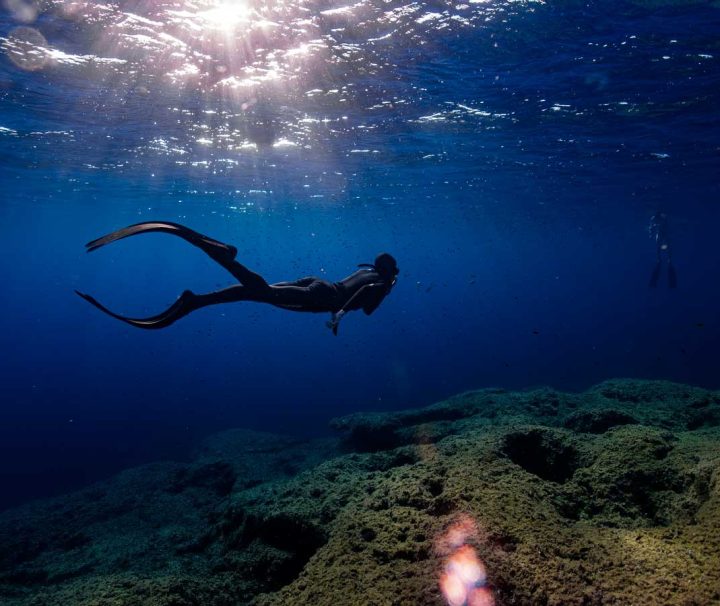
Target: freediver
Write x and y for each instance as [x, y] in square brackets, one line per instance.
[658, 230]
[364, 289]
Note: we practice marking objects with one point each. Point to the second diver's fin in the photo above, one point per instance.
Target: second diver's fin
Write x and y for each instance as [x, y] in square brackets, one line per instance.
[655, 276]
[217, 250]
[177, 310]
[672, 276]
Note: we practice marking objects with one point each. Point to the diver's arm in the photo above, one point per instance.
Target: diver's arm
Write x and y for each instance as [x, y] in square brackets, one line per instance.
[373, 305]
[334, 321]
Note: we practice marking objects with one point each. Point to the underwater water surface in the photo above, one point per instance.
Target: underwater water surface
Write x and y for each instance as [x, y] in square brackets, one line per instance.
[508, 153]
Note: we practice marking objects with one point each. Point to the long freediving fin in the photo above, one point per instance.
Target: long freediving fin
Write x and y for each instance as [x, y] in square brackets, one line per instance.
[217, 250]
[177, 310]
[672, 276]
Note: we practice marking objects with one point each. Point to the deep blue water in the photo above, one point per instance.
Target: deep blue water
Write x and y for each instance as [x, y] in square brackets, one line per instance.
[508, 153]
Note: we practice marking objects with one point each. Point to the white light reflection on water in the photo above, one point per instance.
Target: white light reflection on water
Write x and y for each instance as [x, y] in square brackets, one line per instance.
[320, 81]
[242, 51]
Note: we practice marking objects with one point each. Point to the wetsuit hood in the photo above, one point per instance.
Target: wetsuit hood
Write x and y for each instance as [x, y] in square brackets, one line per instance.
[385, 264]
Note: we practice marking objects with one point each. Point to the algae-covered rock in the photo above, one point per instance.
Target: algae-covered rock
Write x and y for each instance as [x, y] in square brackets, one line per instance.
[149, 535]
[611, 496]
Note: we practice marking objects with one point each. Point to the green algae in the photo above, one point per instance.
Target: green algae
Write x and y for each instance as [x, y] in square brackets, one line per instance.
[611, 496]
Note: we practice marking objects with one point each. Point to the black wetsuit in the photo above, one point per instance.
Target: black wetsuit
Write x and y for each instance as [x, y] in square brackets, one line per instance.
[364, 289]
[659, 231]
[370, 298]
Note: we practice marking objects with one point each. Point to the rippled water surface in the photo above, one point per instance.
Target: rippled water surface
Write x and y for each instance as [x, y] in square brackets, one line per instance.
[208, 88]
[509, 152]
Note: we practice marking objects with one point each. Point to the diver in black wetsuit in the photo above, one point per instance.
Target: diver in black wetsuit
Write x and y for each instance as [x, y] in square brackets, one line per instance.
[658, 230]
[365, 289]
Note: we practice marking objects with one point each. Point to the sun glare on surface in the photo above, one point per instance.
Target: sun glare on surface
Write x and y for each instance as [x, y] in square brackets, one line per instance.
[226, 16]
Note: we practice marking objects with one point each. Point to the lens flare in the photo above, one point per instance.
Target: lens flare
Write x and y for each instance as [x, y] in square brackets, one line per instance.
[22, 10]
[453, 589]
[462, 581]
[465, 565]
[27, 48]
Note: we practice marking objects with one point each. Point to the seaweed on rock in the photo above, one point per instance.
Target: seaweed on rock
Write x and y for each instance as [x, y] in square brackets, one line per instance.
[604, 497]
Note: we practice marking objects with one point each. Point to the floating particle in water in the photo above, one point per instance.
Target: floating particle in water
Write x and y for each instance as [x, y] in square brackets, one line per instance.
[27, 48]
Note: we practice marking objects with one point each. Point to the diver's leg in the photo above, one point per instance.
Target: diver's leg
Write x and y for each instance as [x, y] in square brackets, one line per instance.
[315, 295]
[288, 297]
[245, 276]
[300, 298]
[672, 275]
[300, 282]
[655, 276]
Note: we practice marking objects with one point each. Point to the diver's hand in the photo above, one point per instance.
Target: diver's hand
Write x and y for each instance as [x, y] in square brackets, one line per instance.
[334, 322]
[332, 325]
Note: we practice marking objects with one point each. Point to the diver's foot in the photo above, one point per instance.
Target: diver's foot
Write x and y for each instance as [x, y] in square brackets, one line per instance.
[186, 296]
[222, 254]
[231, 252]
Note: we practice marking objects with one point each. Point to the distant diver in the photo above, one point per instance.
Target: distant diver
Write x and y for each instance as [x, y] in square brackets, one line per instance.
[364, 289]
[658, 230]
